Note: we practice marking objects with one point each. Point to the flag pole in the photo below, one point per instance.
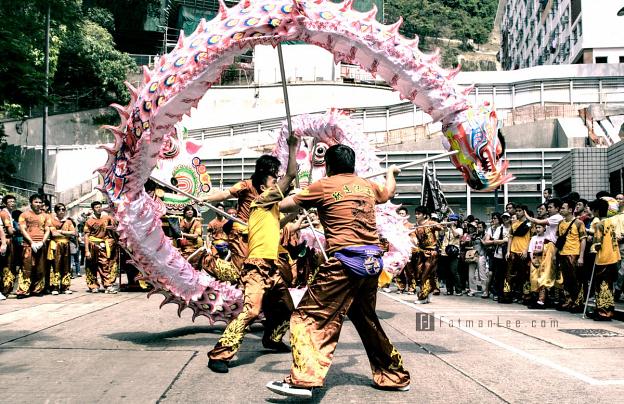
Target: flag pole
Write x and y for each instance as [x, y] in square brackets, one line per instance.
[290, 133]
[414, 163]
[196, 199]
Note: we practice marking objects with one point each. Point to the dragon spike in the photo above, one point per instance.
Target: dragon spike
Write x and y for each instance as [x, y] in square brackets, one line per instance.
[451, 75]
[102, 171]
[110, 150]
[101, 189]
[468, 89]
[394, 28]
[134, 93]
[346, 5]
[222, 10]
[372, 13]
[168, 298]
[121, 110]
[434, 57]
[181, 38]
[201, 27]
[181, 307]
[414, 42]
[113, 129]
[246, 4]
[147, 76]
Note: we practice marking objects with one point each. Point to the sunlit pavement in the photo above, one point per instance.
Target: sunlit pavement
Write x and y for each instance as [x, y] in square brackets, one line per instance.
[88, 348]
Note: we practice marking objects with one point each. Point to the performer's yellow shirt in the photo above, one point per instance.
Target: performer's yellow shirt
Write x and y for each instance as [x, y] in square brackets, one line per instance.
[520, 244]
[573, 238]
[618, 222]
[608, 252]
[264, 225]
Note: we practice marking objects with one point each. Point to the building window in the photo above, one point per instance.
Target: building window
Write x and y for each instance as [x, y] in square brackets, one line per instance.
[621, 59]
[601, 59]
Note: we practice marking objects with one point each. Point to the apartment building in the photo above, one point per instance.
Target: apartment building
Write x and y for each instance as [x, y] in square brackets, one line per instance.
[545, 32]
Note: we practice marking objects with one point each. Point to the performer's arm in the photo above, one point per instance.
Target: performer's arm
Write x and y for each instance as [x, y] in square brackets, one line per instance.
[86, 232]
[393, 170]
[8, 225]
[218, 196]
[287, 219]
[291, 169]
[195, 231]
[288, 205]
[543, 222]
[3, 242]
[46, 234]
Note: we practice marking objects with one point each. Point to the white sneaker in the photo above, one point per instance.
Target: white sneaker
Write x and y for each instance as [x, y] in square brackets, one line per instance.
[68, 292]
[55, 292]
[286, 389]
[423, 301]
[2, 297]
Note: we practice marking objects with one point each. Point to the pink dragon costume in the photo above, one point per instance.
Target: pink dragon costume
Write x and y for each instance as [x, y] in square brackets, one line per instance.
[182, 77]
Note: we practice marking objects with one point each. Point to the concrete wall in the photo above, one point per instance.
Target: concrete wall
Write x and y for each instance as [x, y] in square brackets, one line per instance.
[64, 129]
[66, 168]
[541, 134]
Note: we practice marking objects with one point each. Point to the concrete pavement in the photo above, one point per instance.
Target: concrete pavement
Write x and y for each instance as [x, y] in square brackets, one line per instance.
[89, 348]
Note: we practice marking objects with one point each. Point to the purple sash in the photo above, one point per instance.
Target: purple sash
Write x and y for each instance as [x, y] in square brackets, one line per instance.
[363, 261]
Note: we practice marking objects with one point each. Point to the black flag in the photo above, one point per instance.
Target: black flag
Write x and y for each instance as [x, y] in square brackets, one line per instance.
[431, 195]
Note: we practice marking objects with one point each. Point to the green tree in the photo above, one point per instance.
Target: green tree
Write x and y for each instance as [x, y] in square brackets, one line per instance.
[90, 67]
[22, 38]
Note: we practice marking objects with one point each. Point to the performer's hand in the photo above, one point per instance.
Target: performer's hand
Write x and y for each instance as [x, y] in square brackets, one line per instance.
[293, 141]
[394, 169]
[580, 261]
[3, 248]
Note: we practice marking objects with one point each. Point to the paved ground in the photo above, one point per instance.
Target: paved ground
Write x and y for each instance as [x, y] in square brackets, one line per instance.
[85, 348]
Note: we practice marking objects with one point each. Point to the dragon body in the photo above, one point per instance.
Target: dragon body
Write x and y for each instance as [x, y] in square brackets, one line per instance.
[181, 78]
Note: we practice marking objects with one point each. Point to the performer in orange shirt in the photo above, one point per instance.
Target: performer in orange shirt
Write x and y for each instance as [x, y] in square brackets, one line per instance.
[62, 229]
[345, 285]
[100, 251]
[35, 227]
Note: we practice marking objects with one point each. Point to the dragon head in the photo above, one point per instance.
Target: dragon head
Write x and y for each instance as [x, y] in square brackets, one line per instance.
[481, 147]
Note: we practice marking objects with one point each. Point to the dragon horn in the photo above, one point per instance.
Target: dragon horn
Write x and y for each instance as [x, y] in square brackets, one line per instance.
[346, 5]
[222, 10]
[372, 13]
[181, 38]
[146, 74]
[394, 28]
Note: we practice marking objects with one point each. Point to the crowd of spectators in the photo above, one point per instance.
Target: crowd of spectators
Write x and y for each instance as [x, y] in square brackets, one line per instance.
[553, 257]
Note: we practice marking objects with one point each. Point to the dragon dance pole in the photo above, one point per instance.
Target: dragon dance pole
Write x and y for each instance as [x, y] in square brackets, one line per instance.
[196, 199]
[415, 163]
[290, 133]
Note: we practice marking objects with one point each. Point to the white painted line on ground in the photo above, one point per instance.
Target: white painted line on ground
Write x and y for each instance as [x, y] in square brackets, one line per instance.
[543, 361]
